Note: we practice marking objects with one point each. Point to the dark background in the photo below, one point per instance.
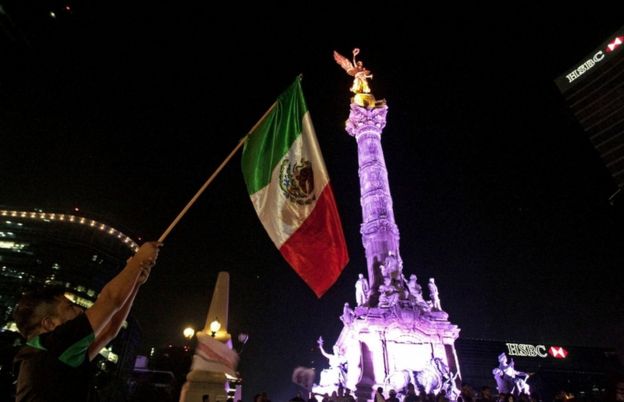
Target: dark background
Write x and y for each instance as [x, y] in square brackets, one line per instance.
[124, 110]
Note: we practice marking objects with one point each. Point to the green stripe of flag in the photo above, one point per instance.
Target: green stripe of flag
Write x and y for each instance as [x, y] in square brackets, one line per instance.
[273, 137]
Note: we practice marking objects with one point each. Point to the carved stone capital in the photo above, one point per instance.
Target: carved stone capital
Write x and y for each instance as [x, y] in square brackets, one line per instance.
[364, 119]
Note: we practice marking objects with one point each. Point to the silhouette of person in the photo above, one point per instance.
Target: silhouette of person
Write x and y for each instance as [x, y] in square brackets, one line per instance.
[379, 397]
[297, 398]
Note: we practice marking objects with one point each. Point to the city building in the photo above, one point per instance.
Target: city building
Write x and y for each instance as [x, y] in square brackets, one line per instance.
[585, 372]
[78, 253]
[594, 90]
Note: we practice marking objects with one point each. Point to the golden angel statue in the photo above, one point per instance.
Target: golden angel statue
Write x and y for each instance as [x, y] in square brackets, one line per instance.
[355, 69]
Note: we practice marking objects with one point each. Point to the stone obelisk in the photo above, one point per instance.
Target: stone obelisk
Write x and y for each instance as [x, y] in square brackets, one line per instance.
[214, 362]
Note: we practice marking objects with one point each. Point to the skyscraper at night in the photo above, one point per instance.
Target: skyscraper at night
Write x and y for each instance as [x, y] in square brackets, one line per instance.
[594, 91]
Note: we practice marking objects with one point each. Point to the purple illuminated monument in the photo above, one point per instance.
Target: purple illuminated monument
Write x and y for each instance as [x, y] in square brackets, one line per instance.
[394, 335]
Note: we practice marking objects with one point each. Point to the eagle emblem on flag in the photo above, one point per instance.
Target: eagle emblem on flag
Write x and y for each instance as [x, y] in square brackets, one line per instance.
[297, 181]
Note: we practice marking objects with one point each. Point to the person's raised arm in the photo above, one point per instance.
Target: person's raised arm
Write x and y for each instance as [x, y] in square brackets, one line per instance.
[111, 330]
[115, 296]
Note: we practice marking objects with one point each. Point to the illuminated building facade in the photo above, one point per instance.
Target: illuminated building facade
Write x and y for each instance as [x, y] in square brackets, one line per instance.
[80, 254]
[594, 91]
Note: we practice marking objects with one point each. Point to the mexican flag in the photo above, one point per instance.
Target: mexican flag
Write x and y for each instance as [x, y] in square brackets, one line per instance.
[289, 187]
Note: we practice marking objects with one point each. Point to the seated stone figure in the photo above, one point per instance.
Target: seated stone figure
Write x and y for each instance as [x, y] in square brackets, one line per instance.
[388, 294]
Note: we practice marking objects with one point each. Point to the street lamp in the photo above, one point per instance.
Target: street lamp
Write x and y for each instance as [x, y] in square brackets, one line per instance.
[188, 333]
[214, 327]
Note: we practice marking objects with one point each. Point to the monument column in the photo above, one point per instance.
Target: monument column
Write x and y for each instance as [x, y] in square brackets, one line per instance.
[396, 336]
[380, 234]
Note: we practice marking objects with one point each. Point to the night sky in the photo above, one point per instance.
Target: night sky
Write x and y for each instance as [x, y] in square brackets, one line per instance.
[124, 111]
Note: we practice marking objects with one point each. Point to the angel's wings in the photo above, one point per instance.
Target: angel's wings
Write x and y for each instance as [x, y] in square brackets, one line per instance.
[345, 63]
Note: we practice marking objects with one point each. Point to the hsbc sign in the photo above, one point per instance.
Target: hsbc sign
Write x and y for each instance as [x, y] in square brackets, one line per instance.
[583, 68]
[592, 61]
[521, 349]
[527, 350]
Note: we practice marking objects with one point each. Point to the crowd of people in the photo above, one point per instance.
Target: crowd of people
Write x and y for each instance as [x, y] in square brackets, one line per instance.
[467, 394]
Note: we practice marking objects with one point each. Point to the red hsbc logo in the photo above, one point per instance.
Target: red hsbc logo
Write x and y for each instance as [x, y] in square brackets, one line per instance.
[557, 352]
[615, 43]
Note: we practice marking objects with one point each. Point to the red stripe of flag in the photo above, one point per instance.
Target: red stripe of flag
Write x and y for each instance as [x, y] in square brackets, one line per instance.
[317, 251]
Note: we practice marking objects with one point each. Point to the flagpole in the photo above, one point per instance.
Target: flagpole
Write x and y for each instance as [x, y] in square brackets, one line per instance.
[211, 178]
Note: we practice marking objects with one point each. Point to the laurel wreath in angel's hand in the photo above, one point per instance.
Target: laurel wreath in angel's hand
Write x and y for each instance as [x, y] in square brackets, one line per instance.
[351, 68]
